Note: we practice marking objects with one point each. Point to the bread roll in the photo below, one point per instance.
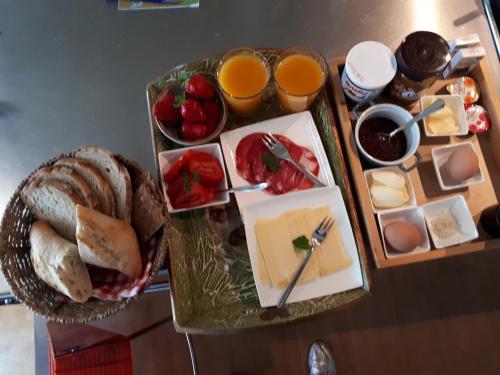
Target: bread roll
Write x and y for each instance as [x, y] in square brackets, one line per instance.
[57, 262]
[107, 242]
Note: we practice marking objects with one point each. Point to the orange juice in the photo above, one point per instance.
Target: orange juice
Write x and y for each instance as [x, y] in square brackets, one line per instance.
[299, 77]
[243, 75]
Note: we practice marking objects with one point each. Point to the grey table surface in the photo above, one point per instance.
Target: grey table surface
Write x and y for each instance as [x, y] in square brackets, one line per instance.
[74, 73]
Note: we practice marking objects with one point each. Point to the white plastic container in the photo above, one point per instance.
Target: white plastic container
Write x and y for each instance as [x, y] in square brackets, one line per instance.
[456, 104]
[413, 215]
[369, 67]
[440, 156]
[457, 207]
[409, 186]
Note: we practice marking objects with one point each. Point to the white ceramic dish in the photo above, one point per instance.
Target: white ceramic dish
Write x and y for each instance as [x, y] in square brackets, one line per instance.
[456, 104]
[346, 279]
[459, 209]
[411, 203]
[414, 215]
[168, 158]
[440, 156]
[400, 116]
[299, 127]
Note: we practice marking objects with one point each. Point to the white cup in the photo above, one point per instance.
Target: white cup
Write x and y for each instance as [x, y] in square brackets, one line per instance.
[400, 116]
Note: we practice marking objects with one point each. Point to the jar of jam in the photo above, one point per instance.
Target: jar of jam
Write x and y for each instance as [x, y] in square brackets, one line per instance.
[490, 220]
[421, 59]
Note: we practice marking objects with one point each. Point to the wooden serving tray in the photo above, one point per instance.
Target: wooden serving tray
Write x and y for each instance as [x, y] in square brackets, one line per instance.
[212, 285]
[424, 178]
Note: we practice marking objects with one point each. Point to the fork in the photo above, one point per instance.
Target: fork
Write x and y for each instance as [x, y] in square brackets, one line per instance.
[318, 237]
[279, 150]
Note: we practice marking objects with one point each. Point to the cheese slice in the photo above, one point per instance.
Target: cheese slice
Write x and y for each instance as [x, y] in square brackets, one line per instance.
[331, 254]
[277, 259]
[261, 264]
[277, 250]
[297, 226]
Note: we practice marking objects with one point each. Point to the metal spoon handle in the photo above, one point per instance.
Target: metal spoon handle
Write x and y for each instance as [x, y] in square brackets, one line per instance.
[246, 188]
[436, 106]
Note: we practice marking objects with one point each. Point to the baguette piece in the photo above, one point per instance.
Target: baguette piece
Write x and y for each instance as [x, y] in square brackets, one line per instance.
[107, 242]
[57, 262]
[54, 202]
[72, 178]
[116, 174]
[96, 181]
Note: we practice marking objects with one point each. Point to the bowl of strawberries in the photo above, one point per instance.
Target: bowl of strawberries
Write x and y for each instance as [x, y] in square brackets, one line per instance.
[190, 112]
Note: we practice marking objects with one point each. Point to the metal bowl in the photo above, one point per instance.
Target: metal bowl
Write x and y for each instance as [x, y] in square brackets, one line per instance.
[171, 132]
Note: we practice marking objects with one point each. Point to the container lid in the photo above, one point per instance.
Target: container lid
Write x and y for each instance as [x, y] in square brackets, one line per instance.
[370, 65]
[423, 54]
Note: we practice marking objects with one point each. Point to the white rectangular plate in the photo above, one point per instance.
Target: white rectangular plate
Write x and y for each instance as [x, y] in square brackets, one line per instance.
[346, 279]
[299, 127]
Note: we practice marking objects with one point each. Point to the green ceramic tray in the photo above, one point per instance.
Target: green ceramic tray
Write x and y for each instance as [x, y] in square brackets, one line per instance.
[212, 285]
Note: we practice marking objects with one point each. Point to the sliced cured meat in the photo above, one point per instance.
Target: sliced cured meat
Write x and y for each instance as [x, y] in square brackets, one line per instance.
[249, 164]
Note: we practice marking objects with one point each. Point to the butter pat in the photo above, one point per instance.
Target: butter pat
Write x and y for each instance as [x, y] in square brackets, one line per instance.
[388, 189]
[442, 122]
[386, 197]
[390, 179]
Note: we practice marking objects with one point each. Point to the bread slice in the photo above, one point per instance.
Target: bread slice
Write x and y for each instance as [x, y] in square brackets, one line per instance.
[107, 242]
[54, 202]
[147, 213]
[57, 262]
[96, 181]
[116, 174]
[72, 178]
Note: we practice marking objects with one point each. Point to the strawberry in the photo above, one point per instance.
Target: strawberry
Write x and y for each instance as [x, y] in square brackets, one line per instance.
[211, 126]
[211, 110]
[199, 87]
[191, 110]
[164, 108]
[191, 131]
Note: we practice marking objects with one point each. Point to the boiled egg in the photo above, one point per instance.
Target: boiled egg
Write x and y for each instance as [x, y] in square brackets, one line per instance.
[461, 165]
[402, 236]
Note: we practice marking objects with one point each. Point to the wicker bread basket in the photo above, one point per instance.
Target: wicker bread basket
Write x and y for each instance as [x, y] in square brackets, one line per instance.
[21, 277]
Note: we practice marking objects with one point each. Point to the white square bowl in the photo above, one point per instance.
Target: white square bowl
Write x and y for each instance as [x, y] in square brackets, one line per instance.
[414, 215]
[168, 158]
[456, 104]
[440, 156]
[411, 203]
[459, 209]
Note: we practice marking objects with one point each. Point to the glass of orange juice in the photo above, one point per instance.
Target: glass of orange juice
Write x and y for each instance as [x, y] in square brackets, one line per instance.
[300, 73]
[243, 75]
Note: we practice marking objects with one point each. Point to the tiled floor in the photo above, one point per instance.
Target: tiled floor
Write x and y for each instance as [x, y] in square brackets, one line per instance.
[17, 350]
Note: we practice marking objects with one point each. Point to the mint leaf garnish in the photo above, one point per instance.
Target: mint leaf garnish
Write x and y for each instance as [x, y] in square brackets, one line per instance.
[301, 243]
[270, 161]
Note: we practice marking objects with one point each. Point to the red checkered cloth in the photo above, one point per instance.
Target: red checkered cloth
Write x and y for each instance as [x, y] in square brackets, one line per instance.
[112, 285]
